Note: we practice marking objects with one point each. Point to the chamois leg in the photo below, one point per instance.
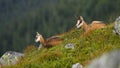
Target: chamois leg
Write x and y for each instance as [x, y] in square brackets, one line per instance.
[40, 46]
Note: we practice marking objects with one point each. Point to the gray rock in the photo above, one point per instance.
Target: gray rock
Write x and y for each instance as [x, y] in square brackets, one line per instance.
[117, 26]
[108, 60]
[10, 58]
[77, 65]
[70, 46]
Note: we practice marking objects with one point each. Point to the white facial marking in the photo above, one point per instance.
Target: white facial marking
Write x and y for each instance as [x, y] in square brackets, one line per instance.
[37, 37]
[79, 24]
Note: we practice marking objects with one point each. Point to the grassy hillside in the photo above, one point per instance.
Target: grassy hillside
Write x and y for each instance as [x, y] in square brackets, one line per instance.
[86, 49]
[20, 19]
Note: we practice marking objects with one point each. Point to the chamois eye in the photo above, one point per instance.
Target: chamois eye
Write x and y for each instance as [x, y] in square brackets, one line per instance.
[36, 37]
[80, 21]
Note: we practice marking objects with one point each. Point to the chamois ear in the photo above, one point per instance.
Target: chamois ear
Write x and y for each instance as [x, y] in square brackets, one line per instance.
[81, 17]
[37, 33]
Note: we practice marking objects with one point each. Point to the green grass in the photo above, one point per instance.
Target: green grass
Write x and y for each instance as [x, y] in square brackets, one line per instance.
[86, 49]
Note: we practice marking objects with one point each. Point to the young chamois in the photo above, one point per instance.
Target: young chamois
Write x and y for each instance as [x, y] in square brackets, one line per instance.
[89, 28]
[50, 42]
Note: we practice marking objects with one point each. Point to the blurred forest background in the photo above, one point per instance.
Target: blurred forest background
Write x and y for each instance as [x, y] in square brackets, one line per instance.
[20, 19]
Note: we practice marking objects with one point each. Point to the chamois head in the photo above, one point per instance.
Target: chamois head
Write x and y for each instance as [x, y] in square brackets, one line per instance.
[38, 37]
[79, 22]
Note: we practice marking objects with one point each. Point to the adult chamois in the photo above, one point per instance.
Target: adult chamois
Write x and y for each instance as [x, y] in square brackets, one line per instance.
[89, 28]
[50, 42]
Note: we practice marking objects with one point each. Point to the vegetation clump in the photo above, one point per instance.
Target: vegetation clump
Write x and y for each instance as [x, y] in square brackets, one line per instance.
[86, 49]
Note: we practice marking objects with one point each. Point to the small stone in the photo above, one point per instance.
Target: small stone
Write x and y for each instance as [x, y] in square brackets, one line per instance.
[77, 65]
[69, 46]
